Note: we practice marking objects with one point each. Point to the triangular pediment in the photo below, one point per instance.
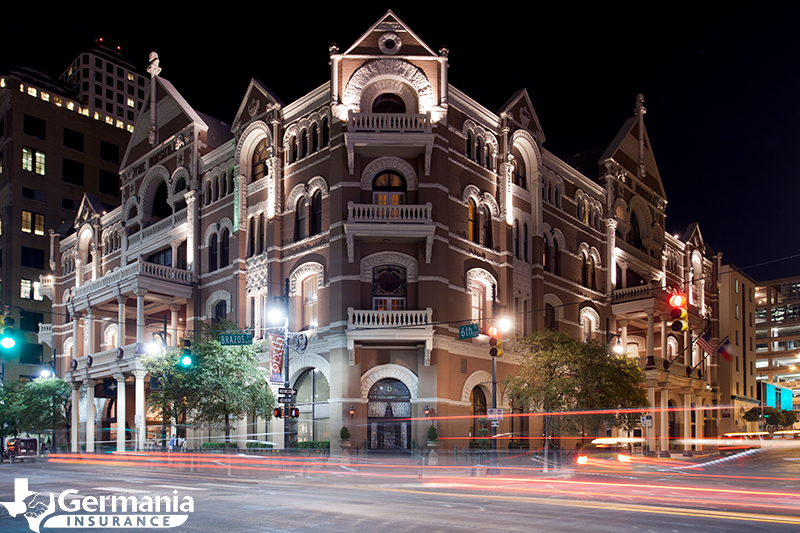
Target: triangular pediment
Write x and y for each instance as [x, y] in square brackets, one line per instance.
[624, 150]
[258, 99]
[90, 208]
[371, 42]
[693, 237]
[520, 109]
[173, 113]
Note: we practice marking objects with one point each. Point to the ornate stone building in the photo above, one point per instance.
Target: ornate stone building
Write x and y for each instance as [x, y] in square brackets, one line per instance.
[399, 209]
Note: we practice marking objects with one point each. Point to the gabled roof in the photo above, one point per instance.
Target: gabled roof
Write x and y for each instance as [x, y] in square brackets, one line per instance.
[624, 149]
[367, 43]
[91, 206]
[258, 92]
[523, 113]
[142, 126]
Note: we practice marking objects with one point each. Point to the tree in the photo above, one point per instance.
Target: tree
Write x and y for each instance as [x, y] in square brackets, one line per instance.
[223, 384]
[558, 373]
[9, 411]
[43, 405]
[772, 417]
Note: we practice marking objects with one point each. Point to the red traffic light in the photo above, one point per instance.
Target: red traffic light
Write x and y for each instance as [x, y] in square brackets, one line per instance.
[677, 300]
[494, 332]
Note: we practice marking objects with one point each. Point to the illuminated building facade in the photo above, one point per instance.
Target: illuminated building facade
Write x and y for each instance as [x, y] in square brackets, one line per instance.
[398, 209]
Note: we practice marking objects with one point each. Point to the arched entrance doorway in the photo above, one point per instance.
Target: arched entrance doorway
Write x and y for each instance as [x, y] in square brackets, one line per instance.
[388, 415]
[673, 425]
[477, 410]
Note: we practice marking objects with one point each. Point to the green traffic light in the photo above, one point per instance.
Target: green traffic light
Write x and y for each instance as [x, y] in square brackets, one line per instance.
[8, 342]
[185, 361]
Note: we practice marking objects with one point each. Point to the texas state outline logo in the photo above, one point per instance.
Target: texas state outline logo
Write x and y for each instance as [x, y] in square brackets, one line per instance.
[69, 510]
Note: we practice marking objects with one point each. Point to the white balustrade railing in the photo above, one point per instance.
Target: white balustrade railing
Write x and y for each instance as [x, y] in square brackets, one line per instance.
[143, 268]
[389, 122]
[107, 356]
[400, 214]
[45, 329]
[363, 319]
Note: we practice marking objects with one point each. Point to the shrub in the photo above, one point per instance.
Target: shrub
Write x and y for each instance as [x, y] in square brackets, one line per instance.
[344, 434]
[432, 433]
[260, 445]
[314, 445]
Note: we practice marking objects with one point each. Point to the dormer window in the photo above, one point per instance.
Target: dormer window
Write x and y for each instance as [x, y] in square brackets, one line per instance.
[388, 103]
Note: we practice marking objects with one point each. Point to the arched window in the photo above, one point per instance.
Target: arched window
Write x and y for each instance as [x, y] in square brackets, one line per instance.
[519, 173]
[208, 192]
[314, 138]
[303, 144]
[310, 302]
[592, 274]
[477, 409]
[487, 226]
[549, 317]
[516, 239]
[313, 393]
[316, 213]
[479, 152]
[225, 251]
[326, 132]
[388, 410]
[161, 209]
[293, 150]
[584, 270]
[472, 230]
[388, 103]
[212, 253]
[546, 254]
[525, 241]
[261, 231]
[556, 258]
[259, 163]
[470, 142]
[479, 305]
[635, 234]
[251, 246]
[389, 288]
[300, 219]
[220, 311]
[389, 188]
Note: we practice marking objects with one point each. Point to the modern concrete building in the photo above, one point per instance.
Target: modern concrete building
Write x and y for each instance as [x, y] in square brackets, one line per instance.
[52, 154]
[398, 208]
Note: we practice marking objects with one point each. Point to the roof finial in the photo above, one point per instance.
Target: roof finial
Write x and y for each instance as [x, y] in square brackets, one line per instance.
[640, 109]
[154, 71]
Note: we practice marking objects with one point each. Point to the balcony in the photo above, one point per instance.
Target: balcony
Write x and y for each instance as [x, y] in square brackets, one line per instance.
[140, 239]
[401, 223]
[107, 363]
[388, 326]
[401, 134]
[45, 335]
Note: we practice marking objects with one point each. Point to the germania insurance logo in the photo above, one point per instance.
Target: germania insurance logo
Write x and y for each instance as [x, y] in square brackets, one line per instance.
[69, 510]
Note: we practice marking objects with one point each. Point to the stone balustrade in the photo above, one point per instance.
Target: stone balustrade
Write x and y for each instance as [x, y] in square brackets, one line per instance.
[365, 319]
[400, 214]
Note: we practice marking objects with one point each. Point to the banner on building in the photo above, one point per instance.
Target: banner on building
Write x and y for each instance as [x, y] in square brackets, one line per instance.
[277, 344]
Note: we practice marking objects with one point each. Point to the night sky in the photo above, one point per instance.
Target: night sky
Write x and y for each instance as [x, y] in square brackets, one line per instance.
[720, 86]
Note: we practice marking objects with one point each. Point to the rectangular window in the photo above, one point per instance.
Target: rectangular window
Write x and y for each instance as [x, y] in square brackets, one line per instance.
[33, 160]
[33, 194]
[736, 286]
[34, 126]
[29, 321]
[30, 354]
[109, 183]
[26, 289]
[109, 152]
[72, 172]
[736, 311]
[27, 222]
[68, 203]
[32, 258]
[73, 140]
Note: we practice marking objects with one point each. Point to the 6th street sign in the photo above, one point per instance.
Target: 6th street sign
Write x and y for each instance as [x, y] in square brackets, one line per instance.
[470, 331]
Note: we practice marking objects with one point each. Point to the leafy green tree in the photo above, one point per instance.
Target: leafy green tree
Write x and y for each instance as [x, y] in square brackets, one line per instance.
[10, 409]
[560, 374]
[223, 384]
[773, 418]
[43, 404]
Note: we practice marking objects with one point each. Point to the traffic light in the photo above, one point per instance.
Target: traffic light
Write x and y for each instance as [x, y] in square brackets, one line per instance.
[7, 340]
[185, 360]
[293, 412]
[278, 412]
[679, 312]
[495, 341]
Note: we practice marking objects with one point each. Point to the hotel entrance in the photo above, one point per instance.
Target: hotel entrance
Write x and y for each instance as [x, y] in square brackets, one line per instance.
[389, 427]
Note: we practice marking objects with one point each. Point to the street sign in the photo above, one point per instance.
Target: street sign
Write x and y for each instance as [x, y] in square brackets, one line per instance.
[495, 423]
[285, 399]
[470, 331]
[235, 339]
[284, 391]
[494, 414]
[647, 421]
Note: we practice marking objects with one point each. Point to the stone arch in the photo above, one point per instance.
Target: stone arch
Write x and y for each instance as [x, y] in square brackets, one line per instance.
[388, 68]
[385, 258]
[478, 378]
[590, 252]
[299, 363]
[392, 371]
[302, 272]
[212, 228]
[150, 184]
[298, 192]
[215, 297]
[558, 235]
[592, 314]
[558, 305]
[672, 342]
[68, 347]
[479, 275]
[109, 334]
[317, 182]
[529, 149]
[388, 163]
[253, 134]
[383, 85]
[180, 172]
[621, 207]
[641, 344]
[639, 207]
[85, 243]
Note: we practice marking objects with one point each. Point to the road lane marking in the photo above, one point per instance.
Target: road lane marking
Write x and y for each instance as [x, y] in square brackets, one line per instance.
[178, 487]
[120, 489]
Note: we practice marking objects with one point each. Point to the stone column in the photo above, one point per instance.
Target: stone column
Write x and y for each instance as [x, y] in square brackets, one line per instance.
[651, 431]
[687, 420]
[173, 324]
[121, 410]
[76, 421]
[89, 322]
[76, 344]
[90, 414]
[121, 299]
[141, 423]
[140, 323]
[664, 430]
[664, 321]
[651, 361]
[623, 337]
[241, 433]
[174, 246]
[699, 422]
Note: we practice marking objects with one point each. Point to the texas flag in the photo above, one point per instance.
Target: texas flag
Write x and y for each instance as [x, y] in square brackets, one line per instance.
[726, 350]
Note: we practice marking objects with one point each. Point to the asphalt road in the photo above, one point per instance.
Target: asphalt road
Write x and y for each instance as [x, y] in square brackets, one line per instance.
[757, 492]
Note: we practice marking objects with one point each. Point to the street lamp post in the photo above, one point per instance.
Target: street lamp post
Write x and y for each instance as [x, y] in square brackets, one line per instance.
[281, 309]
[504, 324]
